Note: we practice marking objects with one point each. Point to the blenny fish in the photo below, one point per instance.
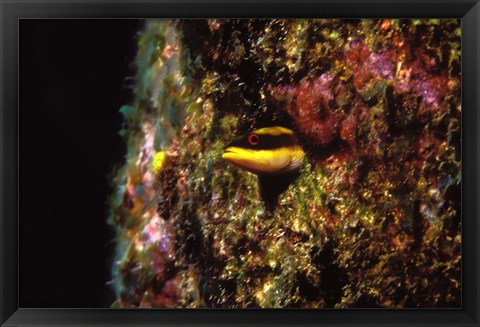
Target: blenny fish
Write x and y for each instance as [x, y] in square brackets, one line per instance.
[266, 151]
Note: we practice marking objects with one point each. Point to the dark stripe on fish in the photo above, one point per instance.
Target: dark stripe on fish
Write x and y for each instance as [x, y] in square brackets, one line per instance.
[266, 142]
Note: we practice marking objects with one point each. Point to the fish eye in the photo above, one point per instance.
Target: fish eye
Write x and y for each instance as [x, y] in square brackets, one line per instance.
[253, 139]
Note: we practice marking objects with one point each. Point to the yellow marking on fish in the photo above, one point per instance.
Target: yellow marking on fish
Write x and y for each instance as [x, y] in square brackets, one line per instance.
[265, 161]
[275, 130]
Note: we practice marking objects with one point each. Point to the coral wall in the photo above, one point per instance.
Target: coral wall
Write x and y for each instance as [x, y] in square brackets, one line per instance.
[372, 220]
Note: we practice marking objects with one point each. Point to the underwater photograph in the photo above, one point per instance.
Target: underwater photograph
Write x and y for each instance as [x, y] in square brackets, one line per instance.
[260, 163]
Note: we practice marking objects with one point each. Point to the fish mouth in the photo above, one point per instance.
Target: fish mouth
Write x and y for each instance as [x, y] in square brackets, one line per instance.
[236, 156]
[227, 154]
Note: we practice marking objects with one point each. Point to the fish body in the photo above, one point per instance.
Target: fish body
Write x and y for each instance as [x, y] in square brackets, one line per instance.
[266, 151]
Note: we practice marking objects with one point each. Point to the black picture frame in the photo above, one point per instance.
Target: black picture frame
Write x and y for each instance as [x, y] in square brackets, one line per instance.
[10, 13]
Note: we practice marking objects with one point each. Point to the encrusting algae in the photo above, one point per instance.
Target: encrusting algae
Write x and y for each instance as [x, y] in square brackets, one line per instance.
[367, 216]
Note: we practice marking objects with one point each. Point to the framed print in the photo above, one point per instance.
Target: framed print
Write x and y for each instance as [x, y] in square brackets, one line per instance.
[269, 163]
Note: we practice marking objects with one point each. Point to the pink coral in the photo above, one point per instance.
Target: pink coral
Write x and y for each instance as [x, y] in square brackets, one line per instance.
[310, 104]
[348, 130]
[367, 65]
[411, 74]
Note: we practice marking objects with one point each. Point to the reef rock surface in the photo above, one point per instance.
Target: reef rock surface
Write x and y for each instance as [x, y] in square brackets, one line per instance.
[372, 220]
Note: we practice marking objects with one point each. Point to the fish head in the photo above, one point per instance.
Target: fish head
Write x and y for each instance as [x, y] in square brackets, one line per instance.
[270, 150]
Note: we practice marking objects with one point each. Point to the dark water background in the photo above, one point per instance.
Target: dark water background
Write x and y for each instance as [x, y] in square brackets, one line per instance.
[72, 83]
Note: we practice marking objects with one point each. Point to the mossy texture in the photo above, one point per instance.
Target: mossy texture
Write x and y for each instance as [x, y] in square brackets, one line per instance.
[373, 217]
